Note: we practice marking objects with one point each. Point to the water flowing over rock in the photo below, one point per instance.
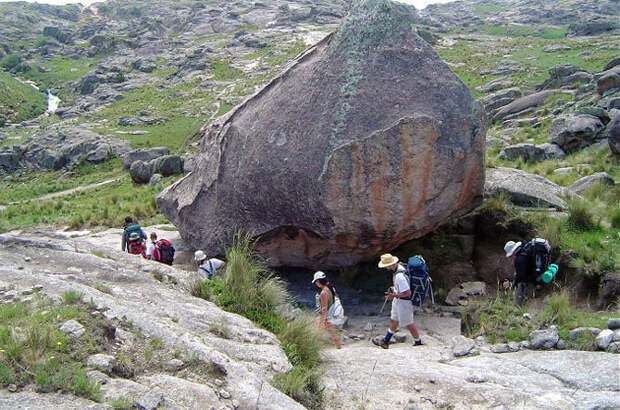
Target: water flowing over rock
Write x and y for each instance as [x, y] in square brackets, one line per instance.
[366, 141]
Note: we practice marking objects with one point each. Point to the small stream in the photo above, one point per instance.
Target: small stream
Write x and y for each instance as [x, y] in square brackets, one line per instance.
[53, 101]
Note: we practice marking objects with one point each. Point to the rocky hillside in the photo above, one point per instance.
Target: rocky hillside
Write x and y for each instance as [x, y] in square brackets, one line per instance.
[142, 85]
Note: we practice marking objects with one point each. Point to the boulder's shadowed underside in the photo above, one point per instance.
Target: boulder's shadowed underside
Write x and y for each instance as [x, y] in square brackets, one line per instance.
[366, 141]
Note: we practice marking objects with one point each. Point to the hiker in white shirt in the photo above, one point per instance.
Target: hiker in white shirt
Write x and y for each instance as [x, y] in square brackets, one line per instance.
[402, 307]
[207, 267]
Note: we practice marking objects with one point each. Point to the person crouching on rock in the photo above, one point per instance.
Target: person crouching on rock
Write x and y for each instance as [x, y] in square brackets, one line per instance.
[329, 304]
[207, 267]
[402, 308]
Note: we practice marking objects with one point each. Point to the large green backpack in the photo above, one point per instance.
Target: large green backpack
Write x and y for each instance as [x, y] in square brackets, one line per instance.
[133, 232]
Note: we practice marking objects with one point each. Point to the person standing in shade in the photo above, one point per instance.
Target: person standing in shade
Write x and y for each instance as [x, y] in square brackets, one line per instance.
[207, 267]
[151, 246]
[402, 308]
[329, 306]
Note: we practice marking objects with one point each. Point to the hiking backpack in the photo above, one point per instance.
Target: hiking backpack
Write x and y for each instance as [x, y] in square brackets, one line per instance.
[163, 251]
[419, 280]
[133, 231]
[136, 248]
[540, 254]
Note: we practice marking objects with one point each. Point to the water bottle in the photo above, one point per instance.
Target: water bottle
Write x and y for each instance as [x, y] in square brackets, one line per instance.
[550, 273]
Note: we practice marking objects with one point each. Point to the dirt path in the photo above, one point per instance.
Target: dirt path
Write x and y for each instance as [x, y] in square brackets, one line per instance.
[62, 193]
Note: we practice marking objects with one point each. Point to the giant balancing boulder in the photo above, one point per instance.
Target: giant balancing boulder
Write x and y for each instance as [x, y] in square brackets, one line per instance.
[366, 141]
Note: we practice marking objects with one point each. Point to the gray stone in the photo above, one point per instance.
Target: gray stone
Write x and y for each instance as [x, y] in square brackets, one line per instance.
[563, 171]
[612, 133]
[544, 339]
[495, 85]
[598, 112]
[585, 183]
[576, 333]
[514, 346]
[140, 172]
[369, 327]
[174, 364]
[613, 323]
[462, 346]
[145, 155]
[72, 328]
[89, 83]
[500, 98]
[525, 189]
[552, 151]
[168, 165]
[399, 337]
[456, 297]
[151, 400]
[500, 348]
[155, 179]
[524, 345]
[522, 104]
[103, 362]
[604, 339]
[343, 150]
[531, 152]
[561, 345]
[573, 132]
[124, 337]
[614, 347]
[608, 80]
[224, 394]
[616, 337]
[97, 376]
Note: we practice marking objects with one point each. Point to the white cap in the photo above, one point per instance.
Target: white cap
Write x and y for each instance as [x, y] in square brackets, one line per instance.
[511, 247]
[318, 275]
[199, 256]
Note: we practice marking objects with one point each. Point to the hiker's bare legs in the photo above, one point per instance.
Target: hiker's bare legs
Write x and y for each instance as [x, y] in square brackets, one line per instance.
[393, 326]
[414, 331]
[334, 335]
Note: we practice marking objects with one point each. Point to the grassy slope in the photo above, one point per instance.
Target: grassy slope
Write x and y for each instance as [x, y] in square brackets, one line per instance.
[19, 102]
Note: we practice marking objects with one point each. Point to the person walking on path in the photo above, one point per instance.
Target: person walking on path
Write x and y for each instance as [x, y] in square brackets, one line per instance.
[329, 304]
[132, 235]
[402, 308]
[207, 267]
[151, 246]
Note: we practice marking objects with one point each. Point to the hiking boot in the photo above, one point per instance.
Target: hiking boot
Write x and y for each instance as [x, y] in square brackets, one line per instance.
[380, 342]
[418, 343]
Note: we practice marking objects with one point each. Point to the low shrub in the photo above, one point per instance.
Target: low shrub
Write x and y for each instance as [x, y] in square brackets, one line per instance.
[580, 216]
[72, 296]
[302, 384]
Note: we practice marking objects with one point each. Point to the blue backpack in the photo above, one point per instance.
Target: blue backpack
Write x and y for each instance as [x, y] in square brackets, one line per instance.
[419, 280]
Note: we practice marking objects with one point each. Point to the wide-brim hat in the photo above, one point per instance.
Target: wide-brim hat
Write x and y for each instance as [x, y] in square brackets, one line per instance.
[199, 256]
[318, 275]
[387, 260]
[511, 247]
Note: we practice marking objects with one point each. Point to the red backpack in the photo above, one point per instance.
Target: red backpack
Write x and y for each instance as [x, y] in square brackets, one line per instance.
[136, 248]
[163, 251]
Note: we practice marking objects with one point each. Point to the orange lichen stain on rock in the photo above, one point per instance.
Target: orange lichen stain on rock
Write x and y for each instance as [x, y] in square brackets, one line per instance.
[472, 174]
[377, 198]
[416, 168]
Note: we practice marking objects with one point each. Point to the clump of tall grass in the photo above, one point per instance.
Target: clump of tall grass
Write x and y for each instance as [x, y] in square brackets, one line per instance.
[580, 216]
[248, 287]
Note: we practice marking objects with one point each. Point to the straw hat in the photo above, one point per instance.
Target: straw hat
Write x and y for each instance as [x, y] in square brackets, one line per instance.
[387, 260]
[511, 247]
[199, 256]
[318, 275]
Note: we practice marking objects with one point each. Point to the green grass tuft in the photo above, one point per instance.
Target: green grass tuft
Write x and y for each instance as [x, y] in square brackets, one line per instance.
[72, 296]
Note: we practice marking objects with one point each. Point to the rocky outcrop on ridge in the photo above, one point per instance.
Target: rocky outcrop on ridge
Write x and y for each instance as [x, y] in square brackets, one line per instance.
[368, 140]
[53, 150]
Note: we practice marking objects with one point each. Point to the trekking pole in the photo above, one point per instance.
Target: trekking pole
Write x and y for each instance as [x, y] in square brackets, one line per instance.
[384, 302]
[382, 307]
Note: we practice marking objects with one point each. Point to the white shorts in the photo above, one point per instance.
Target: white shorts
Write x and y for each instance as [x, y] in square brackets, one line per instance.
[402, 311]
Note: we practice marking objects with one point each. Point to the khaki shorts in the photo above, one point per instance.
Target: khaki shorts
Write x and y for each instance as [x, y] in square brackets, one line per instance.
[402, 311]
